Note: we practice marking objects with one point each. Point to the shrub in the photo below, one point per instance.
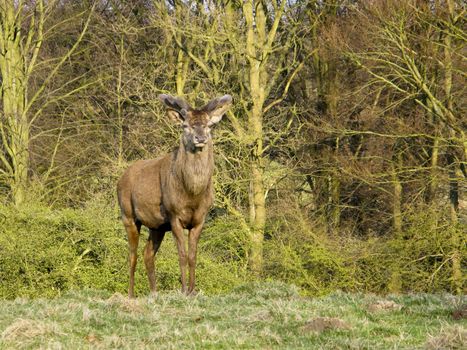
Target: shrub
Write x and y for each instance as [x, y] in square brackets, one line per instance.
[44, 252]
[417, 260]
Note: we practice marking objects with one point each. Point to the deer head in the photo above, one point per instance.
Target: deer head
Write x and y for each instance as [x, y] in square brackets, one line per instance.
[196, 123]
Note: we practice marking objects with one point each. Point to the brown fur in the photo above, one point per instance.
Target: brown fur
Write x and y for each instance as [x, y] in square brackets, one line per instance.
[173, 192]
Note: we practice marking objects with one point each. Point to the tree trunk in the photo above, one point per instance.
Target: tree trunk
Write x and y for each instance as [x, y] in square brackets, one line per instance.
[326, 104]
[456, 237]
[255, 41]
[453, 166]
[182, 69]
[397, 200]
[258, 212]
[14, 124]
[334, 188]
[258, 222]
[395, 283]
[433, 184]
[120, 102]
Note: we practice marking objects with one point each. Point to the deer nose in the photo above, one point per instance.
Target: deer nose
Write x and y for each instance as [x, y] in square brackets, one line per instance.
[200, 139]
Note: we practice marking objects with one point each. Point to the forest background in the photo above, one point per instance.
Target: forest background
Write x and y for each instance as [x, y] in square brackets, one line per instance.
[341, 165]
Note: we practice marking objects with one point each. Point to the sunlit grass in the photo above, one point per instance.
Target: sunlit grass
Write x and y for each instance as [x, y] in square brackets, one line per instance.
[259, 316]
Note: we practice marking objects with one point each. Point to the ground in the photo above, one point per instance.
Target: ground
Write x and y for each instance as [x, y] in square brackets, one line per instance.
[255, 316]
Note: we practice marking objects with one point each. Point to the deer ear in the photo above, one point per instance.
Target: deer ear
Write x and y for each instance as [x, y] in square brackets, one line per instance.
[177, 117]
[177, 108]
[217, 108]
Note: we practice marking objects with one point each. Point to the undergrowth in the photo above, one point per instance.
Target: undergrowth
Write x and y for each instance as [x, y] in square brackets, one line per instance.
[45, 252]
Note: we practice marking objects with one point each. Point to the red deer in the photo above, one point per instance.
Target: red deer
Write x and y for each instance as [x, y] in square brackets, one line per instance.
[173, 192]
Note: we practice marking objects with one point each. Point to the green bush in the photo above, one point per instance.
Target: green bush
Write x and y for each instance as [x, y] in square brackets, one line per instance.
[44, 252]
[420, 258]
[301, 252]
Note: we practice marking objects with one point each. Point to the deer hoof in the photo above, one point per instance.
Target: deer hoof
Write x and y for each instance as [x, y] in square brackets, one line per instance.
[192, 293]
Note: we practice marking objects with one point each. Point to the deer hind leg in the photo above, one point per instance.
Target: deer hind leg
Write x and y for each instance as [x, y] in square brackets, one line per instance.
[152, 246]
[132, 229]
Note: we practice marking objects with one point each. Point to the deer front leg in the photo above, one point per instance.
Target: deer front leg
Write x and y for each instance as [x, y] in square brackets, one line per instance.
[177, 230]
[193, 238]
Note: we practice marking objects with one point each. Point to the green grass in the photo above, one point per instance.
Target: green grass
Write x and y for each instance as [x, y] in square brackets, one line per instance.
[255, 316]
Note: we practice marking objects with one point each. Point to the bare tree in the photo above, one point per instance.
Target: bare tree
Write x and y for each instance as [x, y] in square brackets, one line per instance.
[19, 58]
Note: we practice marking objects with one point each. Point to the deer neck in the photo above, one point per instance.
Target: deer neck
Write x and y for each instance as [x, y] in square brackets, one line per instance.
[194, 168]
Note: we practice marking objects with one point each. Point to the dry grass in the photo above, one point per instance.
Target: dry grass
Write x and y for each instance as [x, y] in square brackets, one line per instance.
[454, 337]
[256, 316]
[384, 305]
[321, 324]
[24, 328]
[125, 304]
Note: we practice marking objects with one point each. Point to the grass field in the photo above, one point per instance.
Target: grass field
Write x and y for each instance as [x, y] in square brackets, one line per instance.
[256, 316]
